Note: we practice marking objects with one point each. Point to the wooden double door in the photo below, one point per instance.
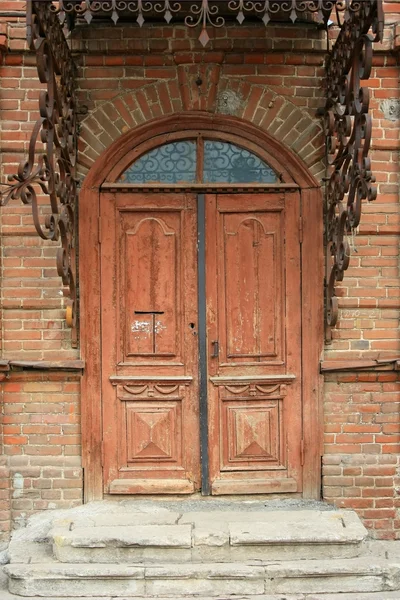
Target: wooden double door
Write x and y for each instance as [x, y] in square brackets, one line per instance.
[201, 342]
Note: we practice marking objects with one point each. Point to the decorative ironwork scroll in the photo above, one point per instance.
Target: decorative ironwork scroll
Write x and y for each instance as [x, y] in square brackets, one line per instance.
[50, 168]
[203, 13]
[348, 127]
[182, 162]
[227, 163]
[171, 163]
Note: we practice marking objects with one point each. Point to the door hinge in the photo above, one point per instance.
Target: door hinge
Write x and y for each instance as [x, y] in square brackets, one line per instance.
[302, 453]
[99, 229]
[300, 230]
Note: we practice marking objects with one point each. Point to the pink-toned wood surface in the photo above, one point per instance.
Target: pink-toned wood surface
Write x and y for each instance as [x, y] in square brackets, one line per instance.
[312, 303]
[149, 271]
[254, 312]
[106, 169]
[149, 306]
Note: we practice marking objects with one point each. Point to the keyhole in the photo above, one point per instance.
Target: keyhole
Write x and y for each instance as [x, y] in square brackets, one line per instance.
[191, 325]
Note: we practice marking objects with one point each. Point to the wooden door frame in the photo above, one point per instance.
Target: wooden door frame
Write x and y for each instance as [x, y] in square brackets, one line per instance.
[293, 170]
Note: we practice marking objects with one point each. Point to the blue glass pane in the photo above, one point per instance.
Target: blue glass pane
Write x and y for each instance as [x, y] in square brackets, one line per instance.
[227, 163]
[171, 163]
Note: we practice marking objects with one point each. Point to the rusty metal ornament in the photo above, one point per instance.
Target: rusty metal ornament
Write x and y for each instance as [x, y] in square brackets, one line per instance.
[50, 167]
[348, 127]
[203, 13]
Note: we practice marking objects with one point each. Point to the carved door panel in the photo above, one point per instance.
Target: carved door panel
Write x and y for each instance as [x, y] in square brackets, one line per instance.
[150, 346]
[253, 323]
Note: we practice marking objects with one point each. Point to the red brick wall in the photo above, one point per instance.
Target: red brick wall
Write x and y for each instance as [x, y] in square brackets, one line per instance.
[127, 76]
[361, 462]
[41, 440]
[40, 463]
[151, 72]
[362, 409]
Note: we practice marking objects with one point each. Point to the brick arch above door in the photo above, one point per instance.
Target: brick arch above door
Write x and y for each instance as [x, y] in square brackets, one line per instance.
[293, 127]
[107, 168]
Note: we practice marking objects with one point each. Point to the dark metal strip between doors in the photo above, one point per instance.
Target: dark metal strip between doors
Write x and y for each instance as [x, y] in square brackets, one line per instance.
[202, 330]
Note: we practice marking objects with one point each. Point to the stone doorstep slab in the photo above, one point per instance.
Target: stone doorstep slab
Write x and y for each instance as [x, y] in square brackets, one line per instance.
[123, 519]
[299, 577]
[204, 553]
[164, 536]
[350, 596]
[64, 571]
[220, 528]
[334, 576]
[217, 536]
[286, 526]
[299, 528]
[118, 580]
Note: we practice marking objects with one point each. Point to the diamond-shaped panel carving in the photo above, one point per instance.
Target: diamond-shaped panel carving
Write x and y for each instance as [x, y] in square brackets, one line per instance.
[152, 432]
[251, 435]
[253, 428]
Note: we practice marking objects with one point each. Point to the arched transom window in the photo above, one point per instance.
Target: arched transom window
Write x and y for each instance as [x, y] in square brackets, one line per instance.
[188, 161]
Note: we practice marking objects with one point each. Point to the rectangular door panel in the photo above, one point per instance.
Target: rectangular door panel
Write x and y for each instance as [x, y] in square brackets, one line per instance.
[150, 245]
[250, 301]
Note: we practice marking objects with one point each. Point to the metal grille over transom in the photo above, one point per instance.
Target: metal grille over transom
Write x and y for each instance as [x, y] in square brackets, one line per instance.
[215, 161]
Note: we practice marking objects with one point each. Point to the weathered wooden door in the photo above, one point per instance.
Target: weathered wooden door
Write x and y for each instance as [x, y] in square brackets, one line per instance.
[254, 365]
[149, 339]
[251, 363]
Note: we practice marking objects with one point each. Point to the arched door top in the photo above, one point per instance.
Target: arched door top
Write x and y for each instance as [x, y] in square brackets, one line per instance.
[198, 160]
[135, 143]
[92, 228]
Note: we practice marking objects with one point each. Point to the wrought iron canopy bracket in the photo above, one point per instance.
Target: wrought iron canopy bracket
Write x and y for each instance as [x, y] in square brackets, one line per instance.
[348, 128]
[200, 14]
[50, 167]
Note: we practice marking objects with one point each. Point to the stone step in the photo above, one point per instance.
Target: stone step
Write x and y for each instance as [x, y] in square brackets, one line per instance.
[223, 536]
[207, 579]
[352, 596]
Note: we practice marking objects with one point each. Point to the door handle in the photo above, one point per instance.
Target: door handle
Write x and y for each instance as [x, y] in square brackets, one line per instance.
[215, 346]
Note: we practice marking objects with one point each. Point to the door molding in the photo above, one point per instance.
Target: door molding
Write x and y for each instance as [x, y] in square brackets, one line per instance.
[105, 170]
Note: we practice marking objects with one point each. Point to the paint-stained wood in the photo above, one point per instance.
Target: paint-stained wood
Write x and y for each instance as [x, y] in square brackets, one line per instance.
[150, 271]
[151, 425]
[90, 323]
[312, 306]
[253, 309]
[200, 187]
[106, 170]
[253, 319]
[149, 344]
[286, 485]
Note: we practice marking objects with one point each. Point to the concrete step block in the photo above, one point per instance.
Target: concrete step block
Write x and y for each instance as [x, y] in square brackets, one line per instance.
[332, 576]
[63, 580]
[119, 581]
[222, 536]
[206, 579]
[300, 527]
[123, 544]
[213, 579]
